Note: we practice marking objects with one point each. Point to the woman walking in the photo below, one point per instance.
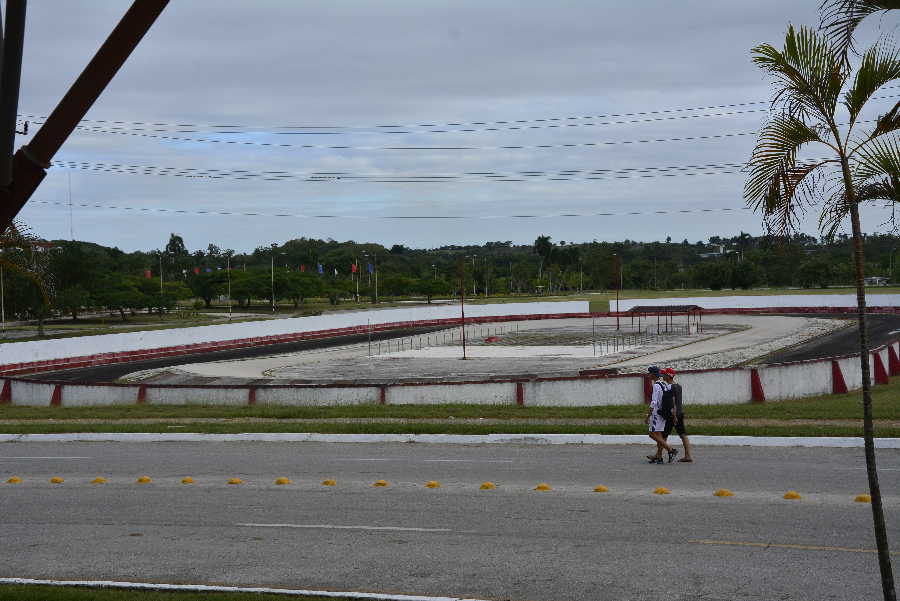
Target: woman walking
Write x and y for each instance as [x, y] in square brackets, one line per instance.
[655, 418]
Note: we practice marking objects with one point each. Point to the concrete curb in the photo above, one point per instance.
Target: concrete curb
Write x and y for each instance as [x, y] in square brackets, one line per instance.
[592, 439]
[202, 588]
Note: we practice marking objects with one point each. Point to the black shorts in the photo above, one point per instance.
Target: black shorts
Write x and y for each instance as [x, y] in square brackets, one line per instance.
[679, 427]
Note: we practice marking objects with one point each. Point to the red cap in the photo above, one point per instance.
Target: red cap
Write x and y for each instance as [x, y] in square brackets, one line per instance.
[669, 372]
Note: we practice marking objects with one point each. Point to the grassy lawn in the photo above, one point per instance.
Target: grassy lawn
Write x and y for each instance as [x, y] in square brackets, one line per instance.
[71, 593]
[278, 419]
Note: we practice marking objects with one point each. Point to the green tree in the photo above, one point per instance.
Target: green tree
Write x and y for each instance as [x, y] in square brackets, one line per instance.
[208, 285]
[813, 80]
[840, 18]
[72, 300]
[431, 287]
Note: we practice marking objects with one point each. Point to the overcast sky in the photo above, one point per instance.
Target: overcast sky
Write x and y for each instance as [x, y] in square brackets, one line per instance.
[328, 73]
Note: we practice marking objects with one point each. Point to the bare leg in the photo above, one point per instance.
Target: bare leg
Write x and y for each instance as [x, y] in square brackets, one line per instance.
[660, 442]
[687, 447]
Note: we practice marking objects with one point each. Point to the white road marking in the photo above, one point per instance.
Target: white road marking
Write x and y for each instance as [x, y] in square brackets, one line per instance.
[425, 460]
[228, 589]
[2, 458]
[338, 527]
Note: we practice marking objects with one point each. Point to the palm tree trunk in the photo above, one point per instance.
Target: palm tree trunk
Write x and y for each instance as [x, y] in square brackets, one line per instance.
[881, 542]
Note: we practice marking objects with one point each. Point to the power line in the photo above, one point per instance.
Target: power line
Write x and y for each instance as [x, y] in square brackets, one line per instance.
[349, 177]
[390, 217]
[382, 127]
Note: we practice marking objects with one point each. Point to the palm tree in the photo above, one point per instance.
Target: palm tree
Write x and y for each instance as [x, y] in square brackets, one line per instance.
[813, 80]
[840, 18]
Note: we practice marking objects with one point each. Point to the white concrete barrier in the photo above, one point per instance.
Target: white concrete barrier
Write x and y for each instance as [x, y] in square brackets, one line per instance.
[756, 302]
[307, 396]
[575, 392]
[481, 393]
[716, 387]
[794, 381]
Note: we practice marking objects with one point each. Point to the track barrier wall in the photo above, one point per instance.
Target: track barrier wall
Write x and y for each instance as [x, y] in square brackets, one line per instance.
[728, 386]
[702, 387]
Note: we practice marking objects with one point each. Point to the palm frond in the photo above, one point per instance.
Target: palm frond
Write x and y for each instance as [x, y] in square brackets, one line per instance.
[840, 18]
[774, 174]
[809, 75]
[879, 157]
[838, 208]
[879, 66]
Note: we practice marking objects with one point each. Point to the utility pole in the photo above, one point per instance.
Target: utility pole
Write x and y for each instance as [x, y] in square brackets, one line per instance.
[228, 270]
[13, 42]
[462, 303]
[617, 282]
[29, 165]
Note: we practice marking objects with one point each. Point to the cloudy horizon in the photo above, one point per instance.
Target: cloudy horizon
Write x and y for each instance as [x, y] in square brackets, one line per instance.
[593, 94]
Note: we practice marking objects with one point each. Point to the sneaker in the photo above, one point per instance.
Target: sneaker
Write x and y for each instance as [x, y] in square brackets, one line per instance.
[672, 455]
[655, 460]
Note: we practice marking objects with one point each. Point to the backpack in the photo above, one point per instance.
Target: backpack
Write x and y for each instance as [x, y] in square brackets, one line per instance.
[667, 404]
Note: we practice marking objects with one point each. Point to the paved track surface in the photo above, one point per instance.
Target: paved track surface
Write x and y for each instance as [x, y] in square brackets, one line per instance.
[882, 329]
[509, 543]
[110, 373]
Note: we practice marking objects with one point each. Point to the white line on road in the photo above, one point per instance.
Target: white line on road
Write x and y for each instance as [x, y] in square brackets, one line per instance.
[2, 458]
[425, 460]
[227, 589]
[337, 527]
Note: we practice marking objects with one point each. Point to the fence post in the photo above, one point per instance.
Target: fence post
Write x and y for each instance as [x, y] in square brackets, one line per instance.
[142, 394]
[251, 396]
[382, 395]
[648, 390]
[520, 394]
[6, 395]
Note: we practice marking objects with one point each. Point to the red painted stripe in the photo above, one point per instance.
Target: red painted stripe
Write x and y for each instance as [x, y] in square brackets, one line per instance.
[881, 376]
[838, 386]
[757, 394]
[520, 394]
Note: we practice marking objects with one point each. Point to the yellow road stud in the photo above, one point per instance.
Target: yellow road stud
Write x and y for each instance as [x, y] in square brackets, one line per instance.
[99, 480]
[863, 498]
[601, 488]
[380, 483]
[487, 486]
[144, 480]
[543, 486]
[791, 494]
[283, 480]
[662, 490]
[235, 481]
[329, 482]
[187, 480]
[723, 492]
[433, 484]
[56, 480]
[14, 480]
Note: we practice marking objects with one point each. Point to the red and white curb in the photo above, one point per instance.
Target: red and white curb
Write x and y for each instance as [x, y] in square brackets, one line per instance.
[471, 439]
[203, 588]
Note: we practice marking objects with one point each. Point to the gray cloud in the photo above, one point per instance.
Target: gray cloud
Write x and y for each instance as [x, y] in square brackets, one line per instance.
[269, 63]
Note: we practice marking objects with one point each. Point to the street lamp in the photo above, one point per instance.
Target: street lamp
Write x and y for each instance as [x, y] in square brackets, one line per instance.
[273, 278]
[375, 269]
[474, 292]
[228, 273]
[434, 267]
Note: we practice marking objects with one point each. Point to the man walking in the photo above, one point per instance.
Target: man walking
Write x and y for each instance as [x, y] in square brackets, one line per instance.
[656, 419]
[676, 419]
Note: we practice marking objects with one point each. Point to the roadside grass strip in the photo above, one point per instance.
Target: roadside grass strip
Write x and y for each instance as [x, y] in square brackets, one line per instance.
[27, 589]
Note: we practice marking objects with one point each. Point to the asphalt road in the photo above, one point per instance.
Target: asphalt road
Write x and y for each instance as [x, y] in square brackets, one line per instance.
[510, 543]
[882, 329]
[111, 373]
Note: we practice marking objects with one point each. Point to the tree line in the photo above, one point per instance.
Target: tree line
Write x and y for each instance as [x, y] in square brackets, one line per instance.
[80, 275]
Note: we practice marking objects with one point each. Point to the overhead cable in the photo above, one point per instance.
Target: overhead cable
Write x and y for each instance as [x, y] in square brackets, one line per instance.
[388, 217]
[194, 126]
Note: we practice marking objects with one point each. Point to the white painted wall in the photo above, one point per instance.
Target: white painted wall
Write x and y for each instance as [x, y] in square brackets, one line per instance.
[500, 393]
[194, 396]
[88, 396]
[727, 387]
[796, 381]
[31, 393]
[40, 350]
[750, 302]
[588, 392]
[301, 396]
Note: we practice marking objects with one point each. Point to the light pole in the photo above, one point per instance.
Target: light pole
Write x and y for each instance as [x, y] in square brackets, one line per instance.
[273, 279]
[434, 267]
[617, 282]
[160, 273]
[474, 292]
[228, 270]
[355, 262]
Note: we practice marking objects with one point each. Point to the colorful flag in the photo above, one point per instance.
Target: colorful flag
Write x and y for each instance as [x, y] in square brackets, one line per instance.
[321, 269]
[209, 270]
[302, 268]
[196, 271]
[335, 271]
[371, 268]
[353, 268]
[148, 274]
